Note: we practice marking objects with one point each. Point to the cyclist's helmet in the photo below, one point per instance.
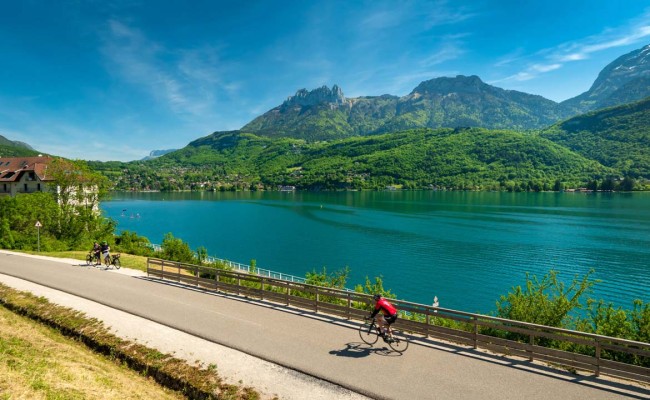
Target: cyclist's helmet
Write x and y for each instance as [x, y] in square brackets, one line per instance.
[376, 297]
[104, 242]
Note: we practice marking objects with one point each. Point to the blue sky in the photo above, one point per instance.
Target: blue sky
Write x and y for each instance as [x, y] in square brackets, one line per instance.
[113, 80]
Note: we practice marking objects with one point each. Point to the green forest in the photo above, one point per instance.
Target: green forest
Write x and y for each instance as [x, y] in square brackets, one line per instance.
[442, 159]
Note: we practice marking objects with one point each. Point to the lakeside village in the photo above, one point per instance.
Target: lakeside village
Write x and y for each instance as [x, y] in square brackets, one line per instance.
[30, 174]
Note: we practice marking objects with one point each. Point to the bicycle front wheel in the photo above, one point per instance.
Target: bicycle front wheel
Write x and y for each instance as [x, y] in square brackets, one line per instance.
[368, 334]
[116, 262]
[399, 342]
[89, 259]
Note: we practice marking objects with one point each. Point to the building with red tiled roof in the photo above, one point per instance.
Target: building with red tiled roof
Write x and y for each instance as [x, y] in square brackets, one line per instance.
[24, 175]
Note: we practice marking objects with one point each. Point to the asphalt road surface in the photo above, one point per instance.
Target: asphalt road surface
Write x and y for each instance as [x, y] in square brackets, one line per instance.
[319, 345]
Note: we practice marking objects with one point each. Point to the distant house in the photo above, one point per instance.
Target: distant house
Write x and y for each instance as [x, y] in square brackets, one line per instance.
[24, 175]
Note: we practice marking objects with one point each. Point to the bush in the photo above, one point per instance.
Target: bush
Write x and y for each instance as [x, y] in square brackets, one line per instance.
[175, 249]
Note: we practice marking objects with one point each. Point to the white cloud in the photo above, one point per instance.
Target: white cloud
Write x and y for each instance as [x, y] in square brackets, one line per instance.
[450, 49]
[553, 59]
[545, 67]
[184, 80]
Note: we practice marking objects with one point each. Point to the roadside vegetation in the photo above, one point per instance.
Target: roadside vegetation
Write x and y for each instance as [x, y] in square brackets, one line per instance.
[36, 361]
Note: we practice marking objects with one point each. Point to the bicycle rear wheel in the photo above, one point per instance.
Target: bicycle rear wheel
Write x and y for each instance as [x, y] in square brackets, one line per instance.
[399, 342]
[368, 334]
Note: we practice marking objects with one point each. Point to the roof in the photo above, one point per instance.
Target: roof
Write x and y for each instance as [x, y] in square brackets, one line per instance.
[12, 168]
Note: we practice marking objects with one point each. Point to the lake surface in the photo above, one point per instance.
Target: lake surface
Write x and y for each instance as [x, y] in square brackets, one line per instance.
[467, 248]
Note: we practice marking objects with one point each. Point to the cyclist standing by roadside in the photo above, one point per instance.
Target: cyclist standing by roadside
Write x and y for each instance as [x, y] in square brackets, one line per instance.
[96, 251]
[105, 249]
[389, 314]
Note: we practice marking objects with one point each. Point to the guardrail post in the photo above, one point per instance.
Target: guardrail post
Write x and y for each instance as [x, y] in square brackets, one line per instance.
[262, 288]
[216, 279]
[349, 306]
[317, 297]
[475, 318]
[286, 294]
[532, 343]
[597, 372]
[427, 320]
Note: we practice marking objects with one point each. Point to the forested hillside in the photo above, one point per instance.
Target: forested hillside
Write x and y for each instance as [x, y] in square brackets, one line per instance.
[617, 137]
[476, 159]
[11, 148]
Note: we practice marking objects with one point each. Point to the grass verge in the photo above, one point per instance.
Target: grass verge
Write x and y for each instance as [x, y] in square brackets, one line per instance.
[45, 370]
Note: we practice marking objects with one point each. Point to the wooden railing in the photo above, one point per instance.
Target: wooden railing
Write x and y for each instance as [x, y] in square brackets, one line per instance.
[571, 349]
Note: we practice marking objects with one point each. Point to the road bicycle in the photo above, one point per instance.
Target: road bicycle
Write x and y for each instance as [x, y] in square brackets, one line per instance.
[370, 333]
[93, 258]
[113, 260]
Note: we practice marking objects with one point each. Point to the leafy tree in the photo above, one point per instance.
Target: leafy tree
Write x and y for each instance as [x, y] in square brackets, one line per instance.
[547, 301]
[132, 243]
[376, 287]
[335, 280]
[201, 255]
[175, 249]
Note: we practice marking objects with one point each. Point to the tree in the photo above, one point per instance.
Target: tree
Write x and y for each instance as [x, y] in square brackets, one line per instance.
[77, 190]
[336, 279]
[547, 301]
[376, 287]
[175, 249]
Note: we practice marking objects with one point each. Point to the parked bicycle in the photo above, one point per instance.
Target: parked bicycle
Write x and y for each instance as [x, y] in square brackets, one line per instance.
[396, 339]
[113, 260]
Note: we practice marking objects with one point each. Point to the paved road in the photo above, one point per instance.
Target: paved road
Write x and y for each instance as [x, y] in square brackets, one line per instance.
[322, 346]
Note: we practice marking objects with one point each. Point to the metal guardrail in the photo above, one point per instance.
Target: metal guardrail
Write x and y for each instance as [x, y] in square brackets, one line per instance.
[582, 351]
[245, 268]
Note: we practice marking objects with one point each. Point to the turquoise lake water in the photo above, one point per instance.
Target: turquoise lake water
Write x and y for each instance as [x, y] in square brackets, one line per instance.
[467, 248]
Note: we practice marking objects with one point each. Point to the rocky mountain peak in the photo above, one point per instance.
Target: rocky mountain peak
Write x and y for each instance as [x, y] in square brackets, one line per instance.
[304, 97]
[625, 68]
[447, 85]
[630, 71]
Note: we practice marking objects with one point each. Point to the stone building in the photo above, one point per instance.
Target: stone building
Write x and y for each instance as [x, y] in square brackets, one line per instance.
[24, 175]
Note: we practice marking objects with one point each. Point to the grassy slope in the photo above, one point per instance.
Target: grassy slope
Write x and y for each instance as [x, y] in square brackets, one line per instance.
[37, 362]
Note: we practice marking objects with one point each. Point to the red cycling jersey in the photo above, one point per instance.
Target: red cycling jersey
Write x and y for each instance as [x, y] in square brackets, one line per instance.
[385, 307]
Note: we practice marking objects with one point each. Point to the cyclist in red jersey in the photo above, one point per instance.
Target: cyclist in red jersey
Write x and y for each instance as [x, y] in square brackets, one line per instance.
[389, 314]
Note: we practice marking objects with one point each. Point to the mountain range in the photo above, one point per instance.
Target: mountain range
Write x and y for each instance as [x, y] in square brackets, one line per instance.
[462, 101]
[13, 148]
[456, 132]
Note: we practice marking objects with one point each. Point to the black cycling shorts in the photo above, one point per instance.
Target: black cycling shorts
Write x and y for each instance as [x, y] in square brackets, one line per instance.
[390, 318]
